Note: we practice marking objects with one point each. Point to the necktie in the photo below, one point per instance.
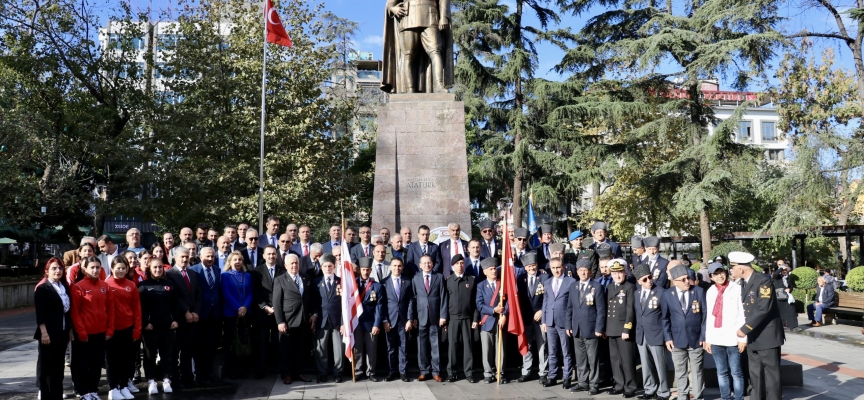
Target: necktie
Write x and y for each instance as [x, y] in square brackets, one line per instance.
[531, 281]
[683, 302]
[329, 285]
[644, 298]
[186, 278]
[546, 250]
[297, 282]
[271, 272]
[476, 268]
[317, 267]
[427, 283]
[493, 286]
[556, 286]
[398, 287]
[284, 255]
[455, 248]
[380, 271]
[584, 287]
[424, 249]
[209, 277]
[491, 246]
[305, 249]
[366, 251]
[252, 257]
[273, 241]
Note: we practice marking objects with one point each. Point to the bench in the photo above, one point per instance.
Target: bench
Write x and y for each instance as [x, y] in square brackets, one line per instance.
[848, 304]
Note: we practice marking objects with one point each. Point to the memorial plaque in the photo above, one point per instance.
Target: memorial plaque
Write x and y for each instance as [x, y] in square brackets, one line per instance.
[421, 168]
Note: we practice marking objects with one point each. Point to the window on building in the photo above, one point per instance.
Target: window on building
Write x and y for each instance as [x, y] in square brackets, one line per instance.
[769, 132]
[745, 131]
[114, 40]
[369, 74]
[166, 42]
[775, 154]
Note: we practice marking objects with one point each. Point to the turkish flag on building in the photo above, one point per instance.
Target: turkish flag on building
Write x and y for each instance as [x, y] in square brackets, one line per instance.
[275, 31]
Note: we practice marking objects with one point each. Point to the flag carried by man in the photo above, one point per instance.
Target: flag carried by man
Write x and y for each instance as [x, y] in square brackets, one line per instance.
[515, 325]
[352, 304]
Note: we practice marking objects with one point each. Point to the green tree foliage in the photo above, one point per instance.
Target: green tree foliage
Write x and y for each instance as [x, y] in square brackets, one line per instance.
[855, 279]
[723, 249]
[676, 47]
[805, 284]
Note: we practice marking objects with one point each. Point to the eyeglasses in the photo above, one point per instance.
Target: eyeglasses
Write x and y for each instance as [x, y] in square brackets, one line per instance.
[645, 279]
[521, 239]
[251, 238]
[487, 231]
[283, 241]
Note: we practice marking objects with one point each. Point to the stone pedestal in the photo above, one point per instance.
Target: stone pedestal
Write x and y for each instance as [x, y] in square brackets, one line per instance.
[421, 169]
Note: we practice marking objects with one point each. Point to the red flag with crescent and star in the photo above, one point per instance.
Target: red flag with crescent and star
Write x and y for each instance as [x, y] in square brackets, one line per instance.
[275, 31]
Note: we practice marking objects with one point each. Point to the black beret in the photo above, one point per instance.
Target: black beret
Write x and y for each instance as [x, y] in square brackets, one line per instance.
[456, 259]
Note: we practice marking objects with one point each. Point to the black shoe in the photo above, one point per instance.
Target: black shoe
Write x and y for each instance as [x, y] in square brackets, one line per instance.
[616, 392]
[404, 378]
[523, 378]
[337, 378]
[391, 377]
[451, 378]
[259, 374]
[628, 395]
[543, 380]
[567, 384]
[471, 379]
[322, 378]
[550, 383]
[578, 388]
[374, 378]
[646, 396]
[594, 392]
[489, 380]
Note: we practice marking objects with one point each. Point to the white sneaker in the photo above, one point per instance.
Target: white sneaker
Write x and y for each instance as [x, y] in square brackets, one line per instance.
[152, 388]
[166, 386]
[132, 388]
[127, 395]
[115, 394]
[39, 396]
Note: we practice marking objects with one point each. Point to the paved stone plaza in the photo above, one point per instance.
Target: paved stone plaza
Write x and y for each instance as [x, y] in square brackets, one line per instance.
[832, 370]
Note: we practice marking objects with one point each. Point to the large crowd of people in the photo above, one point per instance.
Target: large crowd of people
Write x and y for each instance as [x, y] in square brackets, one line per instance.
[274, 299]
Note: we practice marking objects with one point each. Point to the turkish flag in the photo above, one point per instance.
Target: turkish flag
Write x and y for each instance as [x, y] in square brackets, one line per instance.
[275, 31]
[515, 325]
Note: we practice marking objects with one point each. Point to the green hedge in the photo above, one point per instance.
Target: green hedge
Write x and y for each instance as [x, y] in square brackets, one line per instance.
[804, 279]
[696, 266]
[855, 279]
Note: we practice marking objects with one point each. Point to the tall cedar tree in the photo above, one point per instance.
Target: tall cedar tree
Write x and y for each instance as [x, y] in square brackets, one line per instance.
[676, 45]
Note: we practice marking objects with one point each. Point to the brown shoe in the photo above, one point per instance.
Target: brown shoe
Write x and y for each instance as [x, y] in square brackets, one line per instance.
[287, 380]
[816, 324]
[437, 378]
[421, 378]
[304, 378]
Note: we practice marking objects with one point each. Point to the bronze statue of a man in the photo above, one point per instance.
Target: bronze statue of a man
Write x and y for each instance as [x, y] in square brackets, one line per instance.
[418, 46]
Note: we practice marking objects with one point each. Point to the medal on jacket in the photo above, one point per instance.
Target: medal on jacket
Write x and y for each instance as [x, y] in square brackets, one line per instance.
[339, 290]
[570, 273]
[656, 274]
[621, 296]
[752, 297]
[653, 302]
[372, 296]
[540, 289]
[695, 306]
[589, 299]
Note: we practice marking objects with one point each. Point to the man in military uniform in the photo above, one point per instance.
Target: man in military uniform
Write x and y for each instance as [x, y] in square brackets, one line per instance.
[620, 320]
[577, 251]
[532, 290]
[763, 328]
[462, 307]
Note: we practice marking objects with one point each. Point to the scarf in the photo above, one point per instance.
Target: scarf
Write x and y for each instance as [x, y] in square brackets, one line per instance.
[718, 305]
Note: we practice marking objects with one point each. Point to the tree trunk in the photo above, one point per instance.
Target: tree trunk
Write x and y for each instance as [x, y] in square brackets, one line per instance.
[705, 233]
[517, 137]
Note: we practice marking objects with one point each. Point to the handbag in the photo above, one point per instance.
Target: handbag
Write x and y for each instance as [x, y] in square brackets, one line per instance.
[242, 345]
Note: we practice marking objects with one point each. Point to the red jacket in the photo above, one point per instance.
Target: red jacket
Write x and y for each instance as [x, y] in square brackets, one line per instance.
[127, 305]
[92, 308]
[74, 270]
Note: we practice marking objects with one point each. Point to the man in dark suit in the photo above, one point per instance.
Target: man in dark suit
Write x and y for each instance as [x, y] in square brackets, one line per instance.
[253, 255]
[492, 313]
[684, 331]
[419, 249]
[586, 316]
[189, 301]
[399, 318]
[452, 247]
[532, 289]
[295, 313]
[431, 295]
[283, 249]
[546, 233]
[489, 244]
[649, 335]
[304, 241]
[472, 261]
[370, 323]
[638, 255]
[335, 239]
[364, 248]
[599, 232]
[271, 237]
[462, 310]
[521, 237]
[328, 338]
[656, 263]
[620, 321]
[763, 328]
[554, 322]
[310, 265]
[230, 231]
[265, 321]
[209, 331]
[824, 300]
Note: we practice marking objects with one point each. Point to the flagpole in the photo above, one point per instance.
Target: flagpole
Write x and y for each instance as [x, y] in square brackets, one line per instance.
[263, 114]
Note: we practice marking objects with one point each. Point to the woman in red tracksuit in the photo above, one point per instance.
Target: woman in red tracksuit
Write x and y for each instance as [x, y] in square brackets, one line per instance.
[93, 319]
[127, 329]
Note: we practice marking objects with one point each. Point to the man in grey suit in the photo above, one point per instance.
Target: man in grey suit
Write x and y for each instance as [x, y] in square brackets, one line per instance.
[295, 313]
[553, 323]
[431, 295]
[380, 267]
[824, 300]
[649, 335]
